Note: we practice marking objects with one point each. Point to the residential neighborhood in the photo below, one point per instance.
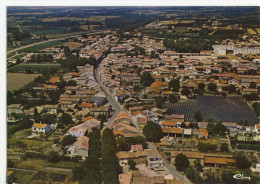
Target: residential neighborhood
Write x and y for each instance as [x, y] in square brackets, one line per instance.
[172, 100]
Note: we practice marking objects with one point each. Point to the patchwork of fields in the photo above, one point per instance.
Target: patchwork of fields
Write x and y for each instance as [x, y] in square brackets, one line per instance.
[217, 108]
[18, 80]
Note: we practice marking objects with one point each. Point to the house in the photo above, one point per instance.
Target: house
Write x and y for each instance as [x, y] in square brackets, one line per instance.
[91, 122]
[187, 132]
[175, 117]
[126, 178]
[79, 148]
[137, 147]
[15, 108]
[98, 101]
[100, 110]
[86, 105]
[192, 156]
[127, 130]
[124, 156]
[120, 95]
[149, 180]
[54, 80]
[131, 101]
[218, 162]
[140, 118]
[38, 128]
[175, 132]
[257, 128]
[203, 133]
[154, 160]
[203, 125]
[79, 130]
[155, 88]
[231, 126]
[50, 108]
[10, 177]
[123, 117]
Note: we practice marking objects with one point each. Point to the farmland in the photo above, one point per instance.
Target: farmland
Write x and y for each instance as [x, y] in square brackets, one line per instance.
[251, 31]
[34, 68]
[217, 108]
[41, 46]
[18, 80]
[73, 45]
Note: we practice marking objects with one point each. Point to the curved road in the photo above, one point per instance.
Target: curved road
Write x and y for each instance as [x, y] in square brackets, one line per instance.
[118, 108]
[55, 39]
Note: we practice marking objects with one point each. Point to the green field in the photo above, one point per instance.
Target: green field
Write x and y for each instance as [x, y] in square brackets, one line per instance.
[18, 80]
[41, 46]
[34, 68]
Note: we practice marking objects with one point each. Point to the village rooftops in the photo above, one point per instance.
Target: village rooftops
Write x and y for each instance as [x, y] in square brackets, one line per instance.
[53, 80]
[39, 125]
[122, 115]
[216, 160]
[130, 155]
[172, 130]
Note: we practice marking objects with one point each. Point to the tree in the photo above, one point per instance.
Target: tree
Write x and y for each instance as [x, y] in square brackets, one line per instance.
[66, 119]
[153, 132]
[183, 125]
[132, 164]
[146, 79]
[92, 173]
[252, 85]
[201, 86]
[242, 162]
[232, 88]
[71, 83]
[181, 162]
[173, 98]
[197, 165]
[123, 145]
[227, 177]
[190, 173]
[48, 118]
[211, 127]
[78, 172]
[186, 92]
[53, 156]
[110, 163]
[219, 128]
[224, 147]
[212, 87]
[68, 140]
[198, 116]
[174, 85]
[95, 143]
[159, 103]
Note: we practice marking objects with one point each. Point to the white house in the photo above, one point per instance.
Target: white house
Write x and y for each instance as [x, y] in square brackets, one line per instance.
[79, 148]
[257, 128]
[41, 128]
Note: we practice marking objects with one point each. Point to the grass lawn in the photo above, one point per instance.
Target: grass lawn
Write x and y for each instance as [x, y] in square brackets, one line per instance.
[41, 46]
[23, 133]
[23, 176]
[18, 80]
[73, 45]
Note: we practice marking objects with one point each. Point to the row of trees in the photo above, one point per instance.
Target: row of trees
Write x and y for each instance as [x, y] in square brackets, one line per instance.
[42, 58]
[102, 165]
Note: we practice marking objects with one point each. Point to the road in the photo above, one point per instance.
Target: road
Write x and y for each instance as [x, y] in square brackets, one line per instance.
[50, 40]
[169, 166]
[117, 108]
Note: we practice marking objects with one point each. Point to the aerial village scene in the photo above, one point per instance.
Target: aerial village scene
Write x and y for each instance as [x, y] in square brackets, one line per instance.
[133, 95]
